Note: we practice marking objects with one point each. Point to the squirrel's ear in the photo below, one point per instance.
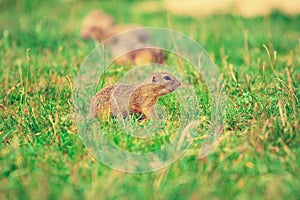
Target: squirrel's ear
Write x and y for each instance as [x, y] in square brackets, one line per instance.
[154, 79]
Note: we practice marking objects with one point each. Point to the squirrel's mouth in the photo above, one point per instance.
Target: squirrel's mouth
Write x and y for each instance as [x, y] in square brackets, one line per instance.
[177, 84]
[169, 89]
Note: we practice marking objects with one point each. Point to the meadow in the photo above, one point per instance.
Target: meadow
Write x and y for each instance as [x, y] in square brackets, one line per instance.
[42, 157]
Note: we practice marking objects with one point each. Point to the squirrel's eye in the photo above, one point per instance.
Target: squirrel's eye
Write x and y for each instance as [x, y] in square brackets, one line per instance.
[167, 78]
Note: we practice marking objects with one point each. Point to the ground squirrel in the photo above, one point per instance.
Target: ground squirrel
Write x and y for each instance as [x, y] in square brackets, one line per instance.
[139, 98]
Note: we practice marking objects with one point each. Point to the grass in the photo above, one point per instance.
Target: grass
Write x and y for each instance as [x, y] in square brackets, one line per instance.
[42, 157]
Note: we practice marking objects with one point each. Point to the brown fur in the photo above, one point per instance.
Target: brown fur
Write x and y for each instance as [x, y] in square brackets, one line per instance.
[139, 98]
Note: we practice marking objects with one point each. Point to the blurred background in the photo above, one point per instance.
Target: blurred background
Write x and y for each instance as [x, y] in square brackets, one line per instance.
[40, 24]
[245, 8]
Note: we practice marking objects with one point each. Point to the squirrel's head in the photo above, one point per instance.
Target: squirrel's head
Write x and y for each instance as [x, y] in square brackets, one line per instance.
[168, 82]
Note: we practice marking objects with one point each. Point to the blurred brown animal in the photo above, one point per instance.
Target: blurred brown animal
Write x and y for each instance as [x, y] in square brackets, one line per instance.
[99, 26]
